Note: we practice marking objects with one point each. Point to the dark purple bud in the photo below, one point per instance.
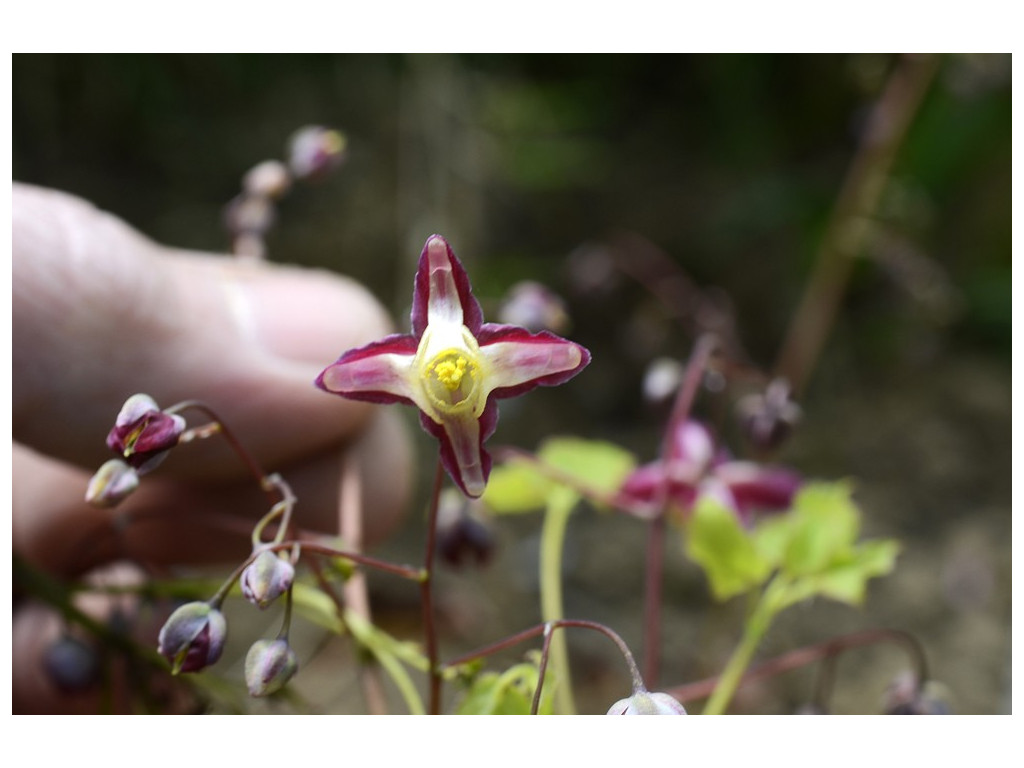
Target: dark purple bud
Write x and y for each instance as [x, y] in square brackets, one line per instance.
[72, 665]
[193, 637]
[269, 665]
[767, 419]
[315, 151]
[647, 703]
[266, 578]
[112, 483]
[143, 434]
[462, 534]
[906, 696]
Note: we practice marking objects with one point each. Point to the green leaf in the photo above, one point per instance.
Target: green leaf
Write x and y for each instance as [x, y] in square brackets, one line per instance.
[518, 486]
[315, 606]
[726, 552]
[508, 693]
[824, 523]
[846, 578]
[595, 464]
[771, 538]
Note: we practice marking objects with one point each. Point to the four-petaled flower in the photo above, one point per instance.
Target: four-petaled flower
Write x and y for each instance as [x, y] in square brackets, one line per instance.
[453, 366]
[695, 468]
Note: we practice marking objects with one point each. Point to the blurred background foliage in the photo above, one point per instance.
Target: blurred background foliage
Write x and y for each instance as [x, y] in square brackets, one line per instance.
[538, 167]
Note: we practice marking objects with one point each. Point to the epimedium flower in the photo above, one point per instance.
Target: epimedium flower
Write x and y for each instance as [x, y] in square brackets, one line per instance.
[453, 366]
[143, 433]
[695, 468]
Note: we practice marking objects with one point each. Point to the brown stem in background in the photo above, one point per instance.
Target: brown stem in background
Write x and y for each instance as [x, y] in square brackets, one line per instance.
[850, 223]
[355, 593]
[808, 655]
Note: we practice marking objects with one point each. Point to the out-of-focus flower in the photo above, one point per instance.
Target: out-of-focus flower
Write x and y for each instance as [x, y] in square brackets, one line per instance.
[696, 468]
[662, 379]
[315, 151]
[269, 665]
[143, 434]
[266, 578]
[535, 307]
[193, 637]
[453, 367]
[647, 703]
[767, 419]
[112, 484]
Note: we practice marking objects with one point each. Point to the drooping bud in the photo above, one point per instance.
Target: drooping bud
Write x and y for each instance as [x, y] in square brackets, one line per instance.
[193, 637]
[267, 179]
[462, 534]
[269, 665]
[143, 434]
[314, 151]
[266, 578]
[72, 665]
[647, 703]
[906, 696]
[112, 483]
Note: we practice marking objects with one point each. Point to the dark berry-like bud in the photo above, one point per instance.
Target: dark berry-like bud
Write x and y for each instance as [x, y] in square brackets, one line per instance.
[647, 703]
[143, 434]
[269, 665]
[72, 665]
[112, 483]
[266, 578]
[193, 637]
[462, 534]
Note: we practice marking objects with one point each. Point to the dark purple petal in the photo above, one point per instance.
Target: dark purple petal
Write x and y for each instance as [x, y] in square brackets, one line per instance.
[472, 315]
[758, 488]
[146, 437]
[493, 333]
[488, 421]
[396, 344]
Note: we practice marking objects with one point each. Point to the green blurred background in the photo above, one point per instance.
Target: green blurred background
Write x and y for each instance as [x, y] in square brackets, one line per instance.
[534, 167]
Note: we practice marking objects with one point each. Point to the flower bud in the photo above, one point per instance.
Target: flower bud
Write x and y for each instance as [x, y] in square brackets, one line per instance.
[906, 696]
[193, 637]
[72, 665]
[112, 483]
[269, 665]
[143, 434]
[462, 534]
[266, 578]
[268, 179]
[647, 703]
[315, 151]
[534, 307]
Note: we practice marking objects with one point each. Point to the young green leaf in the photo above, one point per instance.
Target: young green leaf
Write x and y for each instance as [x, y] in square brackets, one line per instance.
[726, 552]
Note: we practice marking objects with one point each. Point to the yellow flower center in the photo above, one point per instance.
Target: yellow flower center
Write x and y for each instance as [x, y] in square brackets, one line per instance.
[451, 380]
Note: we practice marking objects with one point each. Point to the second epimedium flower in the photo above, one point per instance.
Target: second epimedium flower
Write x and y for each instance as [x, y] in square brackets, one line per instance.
[453, 366]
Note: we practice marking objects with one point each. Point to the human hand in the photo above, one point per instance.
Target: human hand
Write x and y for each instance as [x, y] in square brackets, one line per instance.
[101, 313]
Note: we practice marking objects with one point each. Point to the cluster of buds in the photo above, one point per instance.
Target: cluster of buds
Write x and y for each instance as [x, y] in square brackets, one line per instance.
[313, 152]
[141, 437]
